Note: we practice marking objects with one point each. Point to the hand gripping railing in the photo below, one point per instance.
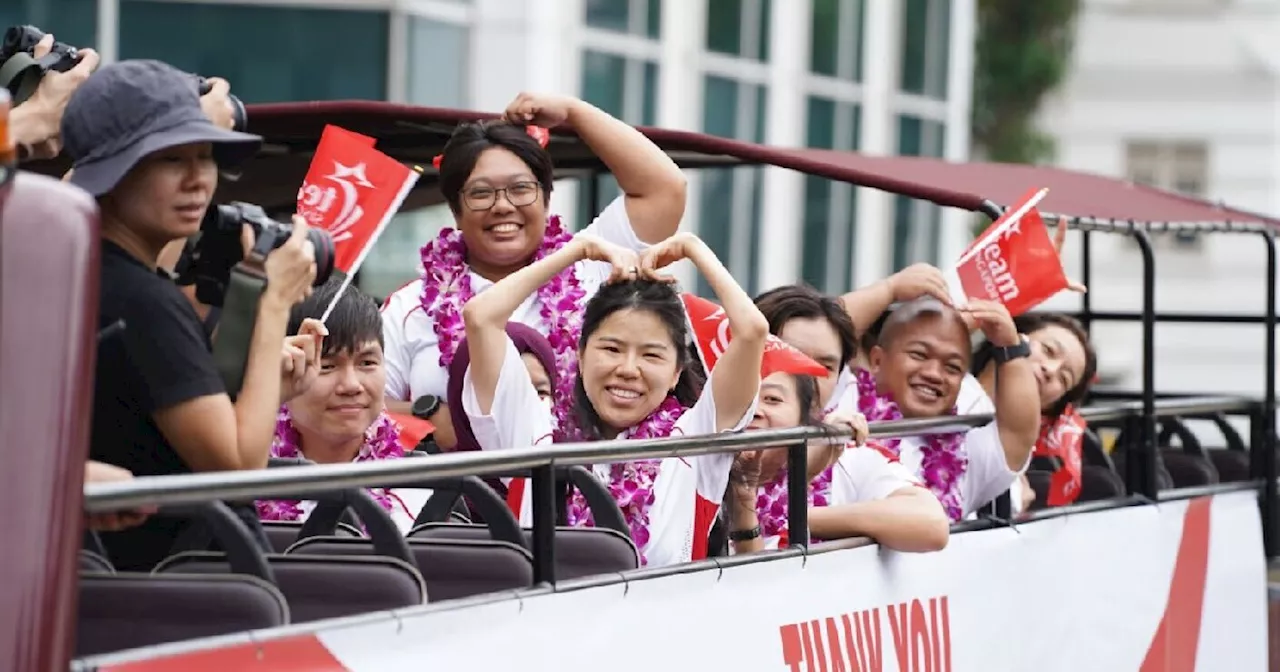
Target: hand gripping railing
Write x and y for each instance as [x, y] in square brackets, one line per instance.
[541, 462]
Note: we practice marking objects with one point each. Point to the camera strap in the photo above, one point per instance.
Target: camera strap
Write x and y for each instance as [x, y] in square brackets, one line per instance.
[236, 325]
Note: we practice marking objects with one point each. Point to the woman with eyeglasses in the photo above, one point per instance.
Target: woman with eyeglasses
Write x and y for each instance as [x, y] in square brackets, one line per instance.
[497, 179]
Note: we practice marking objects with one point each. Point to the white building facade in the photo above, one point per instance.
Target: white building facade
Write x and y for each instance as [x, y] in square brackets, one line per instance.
[878, 76]
[1183, 95]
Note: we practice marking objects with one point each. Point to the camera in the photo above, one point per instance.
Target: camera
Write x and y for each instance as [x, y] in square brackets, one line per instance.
[239, 116]
[209, 256]
[21, 71]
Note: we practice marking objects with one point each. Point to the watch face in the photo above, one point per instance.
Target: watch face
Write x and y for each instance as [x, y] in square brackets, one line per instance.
[426, 405]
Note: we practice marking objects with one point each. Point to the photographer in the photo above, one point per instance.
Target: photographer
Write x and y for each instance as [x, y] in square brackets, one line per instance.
[145, 149]
[36, 122]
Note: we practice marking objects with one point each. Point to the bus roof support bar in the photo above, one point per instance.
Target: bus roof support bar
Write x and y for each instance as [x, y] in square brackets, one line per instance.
[1265, 454]
[1148, 455]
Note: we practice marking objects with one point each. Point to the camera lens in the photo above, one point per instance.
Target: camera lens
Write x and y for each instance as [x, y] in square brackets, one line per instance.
[325, 254]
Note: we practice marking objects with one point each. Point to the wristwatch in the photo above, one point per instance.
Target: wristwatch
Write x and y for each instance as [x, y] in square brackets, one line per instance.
[746, 535]
[425, 406]
[1012, 352]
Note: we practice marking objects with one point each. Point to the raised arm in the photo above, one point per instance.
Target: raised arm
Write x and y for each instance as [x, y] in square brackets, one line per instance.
[486, 314]
[1017, 397]
[654, 186]
[867, 304]
[736, 380]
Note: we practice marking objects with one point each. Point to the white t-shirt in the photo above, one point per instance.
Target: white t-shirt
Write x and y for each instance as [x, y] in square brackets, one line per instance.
[411, 347]
[987, 475]
[973, 400]
[405, 505]
[863, 474]
[839, 400]
[686, 492]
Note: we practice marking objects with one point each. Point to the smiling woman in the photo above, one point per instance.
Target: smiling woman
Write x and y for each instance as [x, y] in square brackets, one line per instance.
[497, 181]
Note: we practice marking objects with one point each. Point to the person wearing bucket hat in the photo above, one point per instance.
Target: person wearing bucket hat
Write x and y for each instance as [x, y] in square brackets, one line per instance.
[142, 145]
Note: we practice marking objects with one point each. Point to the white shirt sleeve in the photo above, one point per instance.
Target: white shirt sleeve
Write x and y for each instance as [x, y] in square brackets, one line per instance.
[866, 474]
[397, 353]
[614, 225]
[700, 420]
[988, 475]
[517, 419]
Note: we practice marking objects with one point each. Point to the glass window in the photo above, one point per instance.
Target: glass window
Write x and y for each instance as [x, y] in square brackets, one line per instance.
[729, 210]
[627, 89]
[640, 17]
[438, 64]
[739, 28]
[829, 206]
[269, 54]
[916, 222]
[836, 49]
[926, 39]
[73, 22]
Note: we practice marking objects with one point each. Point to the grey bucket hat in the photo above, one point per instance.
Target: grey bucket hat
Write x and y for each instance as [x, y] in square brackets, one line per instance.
[130, 109]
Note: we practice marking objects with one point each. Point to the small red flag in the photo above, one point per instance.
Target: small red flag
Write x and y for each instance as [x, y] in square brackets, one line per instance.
[711, 331]
[1013, 261]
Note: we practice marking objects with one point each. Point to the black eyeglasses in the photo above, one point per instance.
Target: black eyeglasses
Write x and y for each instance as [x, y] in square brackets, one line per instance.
[519, 195]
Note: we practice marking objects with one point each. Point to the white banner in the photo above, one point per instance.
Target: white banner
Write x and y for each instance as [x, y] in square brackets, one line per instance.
[1178, 586]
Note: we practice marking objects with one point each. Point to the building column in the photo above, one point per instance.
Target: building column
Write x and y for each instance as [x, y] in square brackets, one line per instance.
[519, 45]
[956, 232]
[881, 45]
[679, 102]
[783, 200]
[107, 42]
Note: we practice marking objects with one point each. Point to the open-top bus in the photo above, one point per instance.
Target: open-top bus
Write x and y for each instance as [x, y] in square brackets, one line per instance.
[1164, 569]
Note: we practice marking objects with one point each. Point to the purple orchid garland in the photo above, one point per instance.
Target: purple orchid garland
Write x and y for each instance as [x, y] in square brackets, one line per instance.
[771, 504]
[631, 483]
[381, 442]
[943, 456]
[446, 287]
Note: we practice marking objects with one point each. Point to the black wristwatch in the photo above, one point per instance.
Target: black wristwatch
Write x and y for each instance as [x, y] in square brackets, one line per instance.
[425, 406]
[746, 535]
[1012, 352]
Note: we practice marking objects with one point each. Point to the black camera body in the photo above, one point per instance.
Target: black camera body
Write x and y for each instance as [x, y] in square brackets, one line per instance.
[209, 256]
[20, 70]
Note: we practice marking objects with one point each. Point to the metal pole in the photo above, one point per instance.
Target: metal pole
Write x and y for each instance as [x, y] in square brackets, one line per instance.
[797, 495]
[1086, 279]
[1148, 484]
[544, 524]
[1270, 505]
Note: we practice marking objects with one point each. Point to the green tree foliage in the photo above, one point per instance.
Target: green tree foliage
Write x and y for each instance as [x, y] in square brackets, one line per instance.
[1023, 53]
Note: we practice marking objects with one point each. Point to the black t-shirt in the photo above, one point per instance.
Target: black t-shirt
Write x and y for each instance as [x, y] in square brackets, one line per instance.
[162, 358]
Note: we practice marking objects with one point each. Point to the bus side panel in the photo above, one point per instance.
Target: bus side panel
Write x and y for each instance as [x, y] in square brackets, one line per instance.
[49, 260]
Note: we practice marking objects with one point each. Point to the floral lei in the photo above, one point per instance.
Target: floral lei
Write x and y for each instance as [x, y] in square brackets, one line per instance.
[446, 287]
[771, 504]
[381, 442]
[631, 483]
[943, 458]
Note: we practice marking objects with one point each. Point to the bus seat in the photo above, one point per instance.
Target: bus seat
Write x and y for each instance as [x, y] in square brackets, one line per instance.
[129, 610]
[284, 533]
[452, 568]
[1098, 483]
[1188, 470]
[1232, 465]
[580, 551]
[319, 587]
[93, 562]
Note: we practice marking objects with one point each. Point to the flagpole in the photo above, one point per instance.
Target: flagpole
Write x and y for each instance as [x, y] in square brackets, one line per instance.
[405, 188]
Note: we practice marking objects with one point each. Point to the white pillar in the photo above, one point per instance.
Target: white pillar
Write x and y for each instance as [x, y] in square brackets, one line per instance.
[783, 200]
[518, 45]
[956, 223]
[107, 42]
[679, 102]
[881, 43]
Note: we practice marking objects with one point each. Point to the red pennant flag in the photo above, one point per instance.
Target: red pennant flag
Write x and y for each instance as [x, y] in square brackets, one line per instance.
[1063, 439]
[711, 330]
[412, 430]
[352, 190]
[1013, 261]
